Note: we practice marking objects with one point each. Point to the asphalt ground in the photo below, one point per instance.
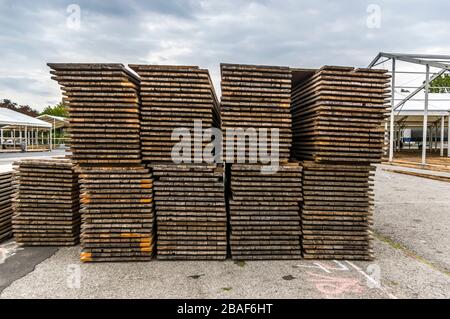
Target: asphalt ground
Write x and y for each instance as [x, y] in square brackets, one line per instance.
[411, 246]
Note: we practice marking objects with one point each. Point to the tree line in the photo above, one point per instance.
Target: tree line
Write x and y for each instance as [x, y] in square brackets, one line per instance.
[56, 110]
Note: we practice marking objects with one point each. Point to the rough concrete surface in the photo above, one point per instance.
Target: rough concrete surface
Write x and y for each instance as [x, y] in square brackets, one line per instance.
[414, 212]
[411, 249]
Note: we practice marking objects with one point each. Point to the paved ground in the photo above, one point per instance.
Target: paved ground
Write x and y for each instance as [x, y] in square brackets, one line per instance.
[415, 212]
[411, 249]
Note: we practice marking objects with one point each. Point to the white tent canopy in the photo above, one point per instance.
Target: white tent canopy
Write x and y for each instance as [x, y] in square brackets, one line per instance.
[56, 121]
[12, 118]
[17, 129]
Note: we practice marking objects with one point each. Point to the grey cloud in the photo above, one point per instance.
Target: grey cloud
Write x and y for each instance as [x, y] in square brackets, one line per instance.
[205, 33]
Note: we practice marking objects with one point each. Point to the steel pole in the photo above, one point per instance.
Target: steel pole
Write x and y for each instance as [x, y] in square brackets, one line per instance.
[425, 117]
[391, 128]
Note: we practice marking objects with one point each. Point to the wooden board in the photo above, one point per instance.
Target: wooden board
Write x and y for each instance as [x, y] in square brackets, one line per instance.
[103, 101]
[338, 115]
[265, 212]
[191, 212]
[337, 211]
[6, 209]
[256, 97]
[46, 203]
[118, 221]
[173, 97]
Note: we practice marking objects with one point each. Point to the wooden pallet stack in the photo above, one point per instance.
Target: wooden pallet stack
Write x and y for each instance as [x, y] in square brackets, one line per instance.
[191, 212]
[338, 115]
[173, 97]
[337, 211]
[46, 203]
[117, 203]
[256, 97]
[117, 214]
[265, 212]
[6, 209]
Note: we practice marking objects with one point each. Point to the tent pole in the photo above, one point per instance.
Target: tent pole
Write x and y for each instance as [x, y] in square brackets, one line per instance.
[425, 117]
[26, 138]
[391, 129]
[448, 137]
[442, 135]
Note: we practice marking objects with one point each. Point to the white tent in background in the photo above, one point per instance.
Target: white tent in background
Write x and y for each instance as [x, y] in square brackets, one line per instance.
[23, 129]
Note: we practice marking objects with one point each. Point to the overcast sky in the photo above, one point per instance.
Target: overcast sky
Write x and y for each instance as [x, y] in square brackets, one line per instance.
[205, 33]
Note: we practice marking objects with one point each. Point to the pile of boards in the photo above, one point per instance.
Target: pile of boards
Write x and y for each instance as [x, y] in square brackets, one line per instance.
[256, 98]
[116, 188]
[264, 205]
[265, 212]
[46, 203]
[103, 102]
[6, 211]
[174, 98]
[191, 212]
[338, 115]
[117, 213]
[337, 211]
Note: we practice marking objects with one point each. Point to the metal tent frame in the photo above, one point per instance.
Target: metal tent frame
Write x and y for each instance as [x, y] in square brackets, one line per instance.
[441, 62]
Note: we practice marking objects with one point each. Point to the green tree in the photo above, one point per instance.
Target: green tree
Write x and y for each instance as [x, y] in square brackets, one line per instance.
[440, 84]
[59, 109]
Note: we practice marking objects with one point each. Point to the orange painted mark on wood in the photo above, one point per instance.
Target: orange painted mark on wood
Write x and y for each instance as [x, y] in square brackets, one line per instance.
[86, 257]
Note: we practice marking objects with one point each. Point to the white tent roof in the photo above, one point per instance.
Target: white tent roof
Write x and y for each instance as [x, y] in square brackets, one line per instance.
[13, 118]
[56, 121]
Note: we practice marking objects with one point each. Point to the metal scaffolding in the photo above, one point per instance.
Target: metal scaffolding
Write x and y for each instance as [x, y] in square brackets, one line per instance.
[441, 63]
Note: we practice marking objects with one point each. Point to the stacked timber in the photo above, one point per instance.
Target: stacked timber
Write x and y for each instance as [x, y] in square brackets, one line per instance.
[6, 209]
[103, 102]
[46, 203]
[338, 114]
[337, 211]
[191, 212]
[256, 98]
[174, 97]
[116, 188]
[265, 212]
[117, 214]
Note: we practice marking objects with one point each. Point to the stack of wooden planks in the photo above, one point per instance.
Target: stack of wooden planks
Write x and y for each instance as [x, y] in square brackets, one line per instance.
[6, 210]
[173, 97]
[191, 212]
[337, 211]
[338, 114]
[117, 199]
[117, 214]
[265, 212]
[46, 203]
[103, 102]
[255, 98]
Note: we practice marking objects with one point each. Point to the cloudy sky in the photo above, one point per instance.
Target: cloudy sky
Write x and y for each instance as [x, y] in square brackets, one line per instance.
[205, 33]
